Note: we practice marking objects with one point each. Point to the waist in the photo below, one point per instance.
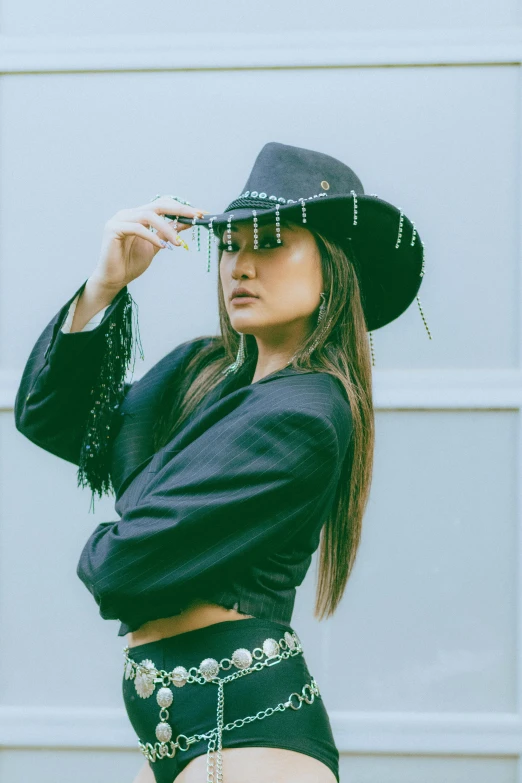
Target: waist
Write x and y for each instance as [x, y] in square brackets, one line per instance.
[198, 614]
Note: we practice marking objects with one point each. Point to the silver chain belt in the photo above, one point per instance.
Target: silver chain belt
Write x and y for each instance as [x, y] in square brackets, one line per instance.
[146, 675]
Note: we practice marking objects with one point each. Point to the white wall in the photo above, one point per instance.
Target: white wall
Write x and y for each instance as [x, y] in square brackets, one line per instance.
[103, 107]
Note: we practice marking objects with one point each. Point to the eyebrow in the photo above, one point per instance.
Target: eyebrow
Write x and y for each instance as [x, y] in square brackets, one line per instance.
[261, 227]
[223, 234]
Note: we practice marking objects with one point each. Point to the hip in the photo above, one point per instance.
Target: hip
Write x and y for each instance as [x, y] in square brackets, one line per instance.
[225, 685]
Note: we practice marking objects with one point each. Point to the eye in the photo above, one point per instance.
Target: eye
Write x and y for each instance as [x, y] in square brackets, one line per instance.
[270, 242]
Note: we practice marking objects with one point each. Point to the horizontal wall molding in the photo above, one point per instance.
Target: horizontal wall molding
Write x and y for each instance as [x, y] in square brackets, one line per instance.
[395, 389]
[65, 727]
[373, 48]
[454, 389]
[354, 732]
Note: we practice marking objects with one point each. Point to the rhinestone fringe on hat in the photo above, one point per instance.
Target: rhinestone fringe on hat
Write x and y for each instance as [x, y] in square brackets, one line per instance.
[253, 199]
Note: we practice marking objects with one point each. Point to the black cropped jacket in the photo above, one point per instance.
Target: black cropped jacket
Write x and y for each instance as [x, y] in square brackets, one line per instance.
[229, 510]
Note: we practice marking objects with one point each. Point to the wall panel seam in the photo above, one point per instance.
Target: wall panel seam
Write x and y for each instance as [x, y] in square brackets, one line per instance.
[408, 389]
[378, 732]
[195, 51]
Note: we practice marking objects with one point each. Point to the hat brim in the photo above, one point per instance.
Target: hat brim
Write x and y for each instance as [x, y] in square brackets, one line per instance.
[387, 252]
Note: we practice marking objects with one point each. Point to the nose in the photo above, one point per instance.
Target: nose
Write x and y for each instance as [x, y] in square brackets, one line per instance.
[242, 263]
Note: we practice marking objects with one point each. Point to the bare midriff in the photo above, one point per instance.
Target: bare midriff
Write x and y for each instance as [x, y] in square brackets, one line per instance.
[198, 614]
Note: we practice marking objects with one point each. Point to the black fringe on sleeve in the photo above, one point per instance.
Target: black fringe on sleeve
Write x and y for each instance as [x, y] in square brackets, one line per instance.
[107, 395]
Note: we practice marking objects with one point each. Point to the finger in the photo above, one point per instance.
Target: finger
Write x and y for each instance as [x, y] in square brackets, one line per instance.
[169, 206]
[183, 226]
[177, 226]
[164, 227]
[131, 228]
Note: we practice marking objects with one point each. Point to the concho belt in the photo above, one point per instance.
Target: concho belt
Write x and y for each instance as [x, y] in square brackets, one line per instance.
[146, 676]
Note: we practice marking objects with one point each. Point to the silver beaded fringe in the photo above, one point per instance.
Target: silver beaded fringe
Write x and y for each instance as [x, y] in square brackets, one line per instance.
[240, 357]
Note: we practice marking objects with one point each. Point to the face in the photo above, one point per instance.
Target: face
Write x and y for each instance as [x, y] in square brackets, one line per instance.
[286, 278]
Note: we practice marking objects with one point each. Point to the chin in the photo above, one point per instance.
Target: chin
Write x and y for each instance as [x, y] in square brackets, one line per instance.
[245, 321]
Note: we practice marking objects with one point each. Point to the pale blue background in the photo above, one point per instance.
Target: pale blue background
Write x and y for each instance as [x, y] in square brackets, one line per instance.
[104, 105]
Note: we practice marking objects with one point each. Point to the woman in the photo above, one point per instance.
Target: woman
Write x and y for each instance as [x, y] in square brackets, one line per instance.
[224, 485]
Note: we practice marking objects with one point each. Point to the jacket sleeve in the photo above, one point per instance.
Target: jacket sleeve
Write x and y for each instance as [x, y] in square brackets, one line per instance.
[243, 488]
[54, 398]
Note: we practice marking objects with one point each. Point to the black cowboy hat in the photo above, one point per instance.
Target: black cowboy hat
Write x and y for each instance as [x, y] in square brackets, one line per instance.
[324, 193]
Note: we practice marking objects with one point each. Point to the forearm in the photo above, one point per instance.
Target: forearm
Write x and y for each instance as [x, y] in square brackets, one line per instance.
[53, 402]
[94, 297]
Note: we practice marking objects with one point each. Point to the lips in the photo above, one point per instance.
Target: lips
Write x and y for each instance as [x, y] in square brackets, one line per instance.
[242, 294]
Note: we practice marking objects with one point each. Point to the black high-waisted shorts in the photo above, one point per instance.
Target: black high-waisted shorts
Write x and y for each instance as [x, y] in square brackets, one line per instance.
[303, 727]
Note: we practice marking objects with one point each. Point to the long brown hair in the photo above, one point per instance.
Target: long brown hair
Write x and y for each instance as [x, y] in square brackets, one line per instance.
[344, 353]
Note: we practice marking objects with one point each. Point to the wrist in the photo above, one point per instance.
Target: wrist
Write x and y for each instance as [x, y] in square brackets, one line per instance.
[96, 295]
[101, 289]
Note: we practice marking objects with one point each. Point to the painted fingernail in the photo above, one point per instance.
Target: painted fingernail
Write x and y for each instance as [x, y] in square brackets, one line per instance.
[162, 242]
[170, 246]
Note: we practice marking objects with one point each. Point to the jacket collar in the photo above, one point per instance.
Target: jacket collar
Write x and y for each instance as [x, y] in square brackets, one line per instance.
[245, 373]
